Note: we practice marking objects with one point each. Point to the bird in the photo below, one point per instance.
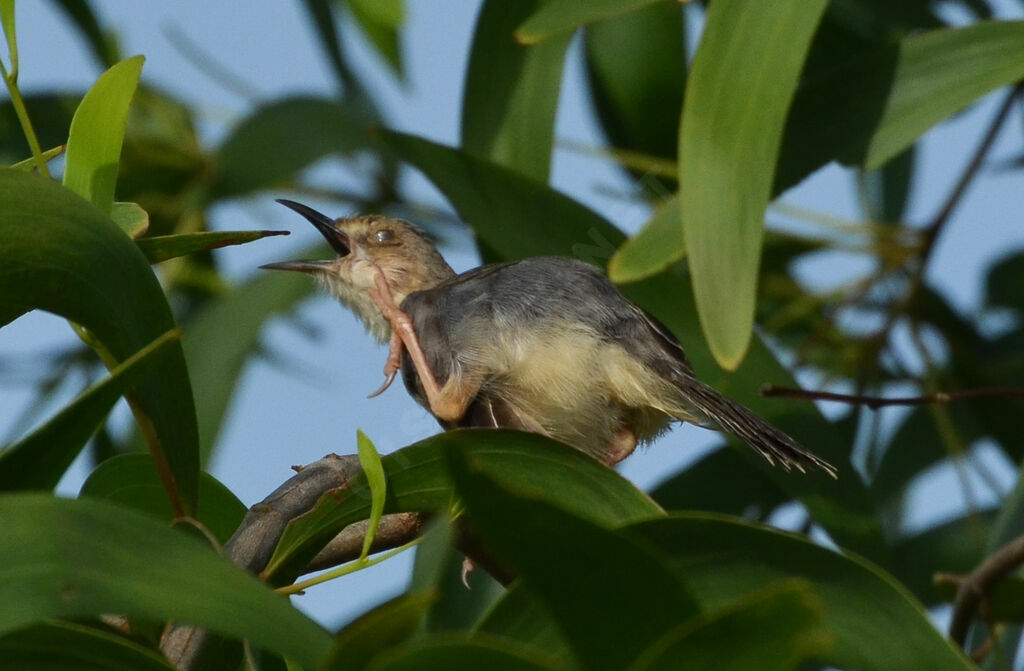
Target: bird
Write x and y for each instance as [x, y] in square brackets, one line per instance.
[546, 344]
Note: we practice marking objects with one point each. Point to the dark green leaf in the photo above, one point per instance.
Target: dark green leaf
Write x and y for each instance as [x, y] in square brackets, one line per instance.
[886, 191]
[130, 480]
[64, 646]
[464, 652]
[721, 559]
[51, 117]
[39, 460]
[163, 247]
[1004, 280]
[869, 109]
[103, 47]
[60, 254]
[511, 93]
[566, 561]
[377, 631]
[97, 132]
[738, 94]
[283, 137]
[636, 66]
[417, 481]
[66, 558]
[721, 482]
[562, 16]
[774, 629]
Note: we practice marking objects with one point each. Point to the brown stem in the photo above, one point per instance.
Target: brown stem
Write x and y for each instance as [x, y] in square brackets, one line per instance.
[875, 402]
[975, 589]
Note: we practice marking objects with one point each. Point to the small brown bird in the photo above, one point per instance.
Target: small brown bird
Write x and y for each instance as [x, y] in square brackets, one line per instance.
[546, 344]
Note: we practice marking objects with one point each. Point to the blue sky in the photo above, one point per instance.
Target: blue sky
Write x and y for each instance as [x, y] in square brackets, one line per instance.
[280, 417]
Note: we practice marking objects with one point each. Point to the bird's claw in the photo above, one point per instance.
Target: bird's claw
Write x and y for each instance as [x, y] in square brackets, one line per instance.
[387, 383]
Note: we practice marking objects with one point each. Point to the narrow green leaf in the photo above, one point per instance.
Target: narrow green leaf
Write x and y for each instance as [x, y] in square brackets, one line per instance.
[107, 559]
[417, 481]
[60, 254]
[565, 560]
[29, 164]
[561, 16]
[885, 192]
[384, 627]
[97, 132]
[163, 247]
[130, 218]
[868, 110]
[130, 480]
[10, 33]
[658, 245]
[464, 652]
[511, 92]
[38, 460]
[369, 459]
[281, 138]
[381, 21]
[739, 91]
[774, 629]
[65, 646]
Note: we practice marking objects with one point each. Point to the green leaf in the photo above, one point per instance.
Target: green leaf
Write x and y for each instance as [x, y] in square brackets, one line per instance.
[636, 67]
[774, 629]
[60, 254]
[97, 131]
[216, 355]
[130, 218]
[658, 245]
[369, 460]
[38, 460]
[417, 481]
[739, 91]
[511, 92]
[376, 631]
[721, 559]
[562, 16]
[279, 139]
[65, 646]
[107, 559]
[886, 191]
[464, 652]
[130, 480]
[29, 164]
[10, 33]
[866, 111]
[164, 247]
[104, 47]
[721, 482]
[566, 560]
[380, 21]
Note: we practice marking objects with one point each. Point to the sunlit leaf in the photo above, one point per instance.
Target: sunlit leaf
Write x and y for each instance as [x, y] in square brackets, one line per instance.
[658, 245]
[380, 21]
[97, 131]
[163, 247]
[130, 218]
[369, 460]
[741, 83]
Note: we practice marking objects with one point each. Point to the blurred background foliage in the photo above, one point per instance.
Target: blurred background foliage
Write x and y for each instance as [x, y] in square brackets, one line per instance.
[853, 81]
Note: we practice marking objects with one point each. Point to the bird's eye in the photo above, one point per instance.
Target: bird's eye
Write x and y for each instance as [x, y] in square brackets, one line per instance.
[383, 236]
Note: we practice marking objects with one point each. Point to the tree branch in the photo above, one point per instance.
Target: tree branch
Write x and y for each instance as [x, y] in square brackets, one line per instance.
[975, 589]
[875, 402]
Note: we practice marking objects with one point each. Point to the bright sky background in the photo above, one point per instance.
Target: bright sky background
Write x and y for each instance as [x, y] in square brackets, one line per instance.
[295, 416]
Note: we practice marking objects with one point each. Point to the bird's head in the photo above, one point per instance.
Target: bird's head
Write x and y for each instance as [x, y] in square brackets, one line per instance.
[367, 245]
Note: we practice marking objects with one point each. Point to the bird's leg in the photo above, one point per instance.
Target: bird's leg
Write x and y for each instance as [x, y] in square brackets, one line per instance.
[448, 403]
[621, 445]
[393, 364]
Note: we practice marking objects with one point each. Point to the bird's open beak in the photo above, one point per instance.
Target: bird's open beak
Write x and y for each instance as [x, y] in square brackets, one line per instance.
[335, 237]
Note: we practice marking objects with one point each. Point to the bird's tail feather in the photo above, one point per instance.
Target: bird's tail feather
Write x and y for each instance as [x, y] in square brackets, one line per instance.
[731, 417]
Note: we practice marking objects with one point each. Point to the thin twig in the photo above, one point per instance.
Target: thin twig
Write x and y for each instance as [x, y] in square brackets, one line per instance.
[875, 402]
[974, 589]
